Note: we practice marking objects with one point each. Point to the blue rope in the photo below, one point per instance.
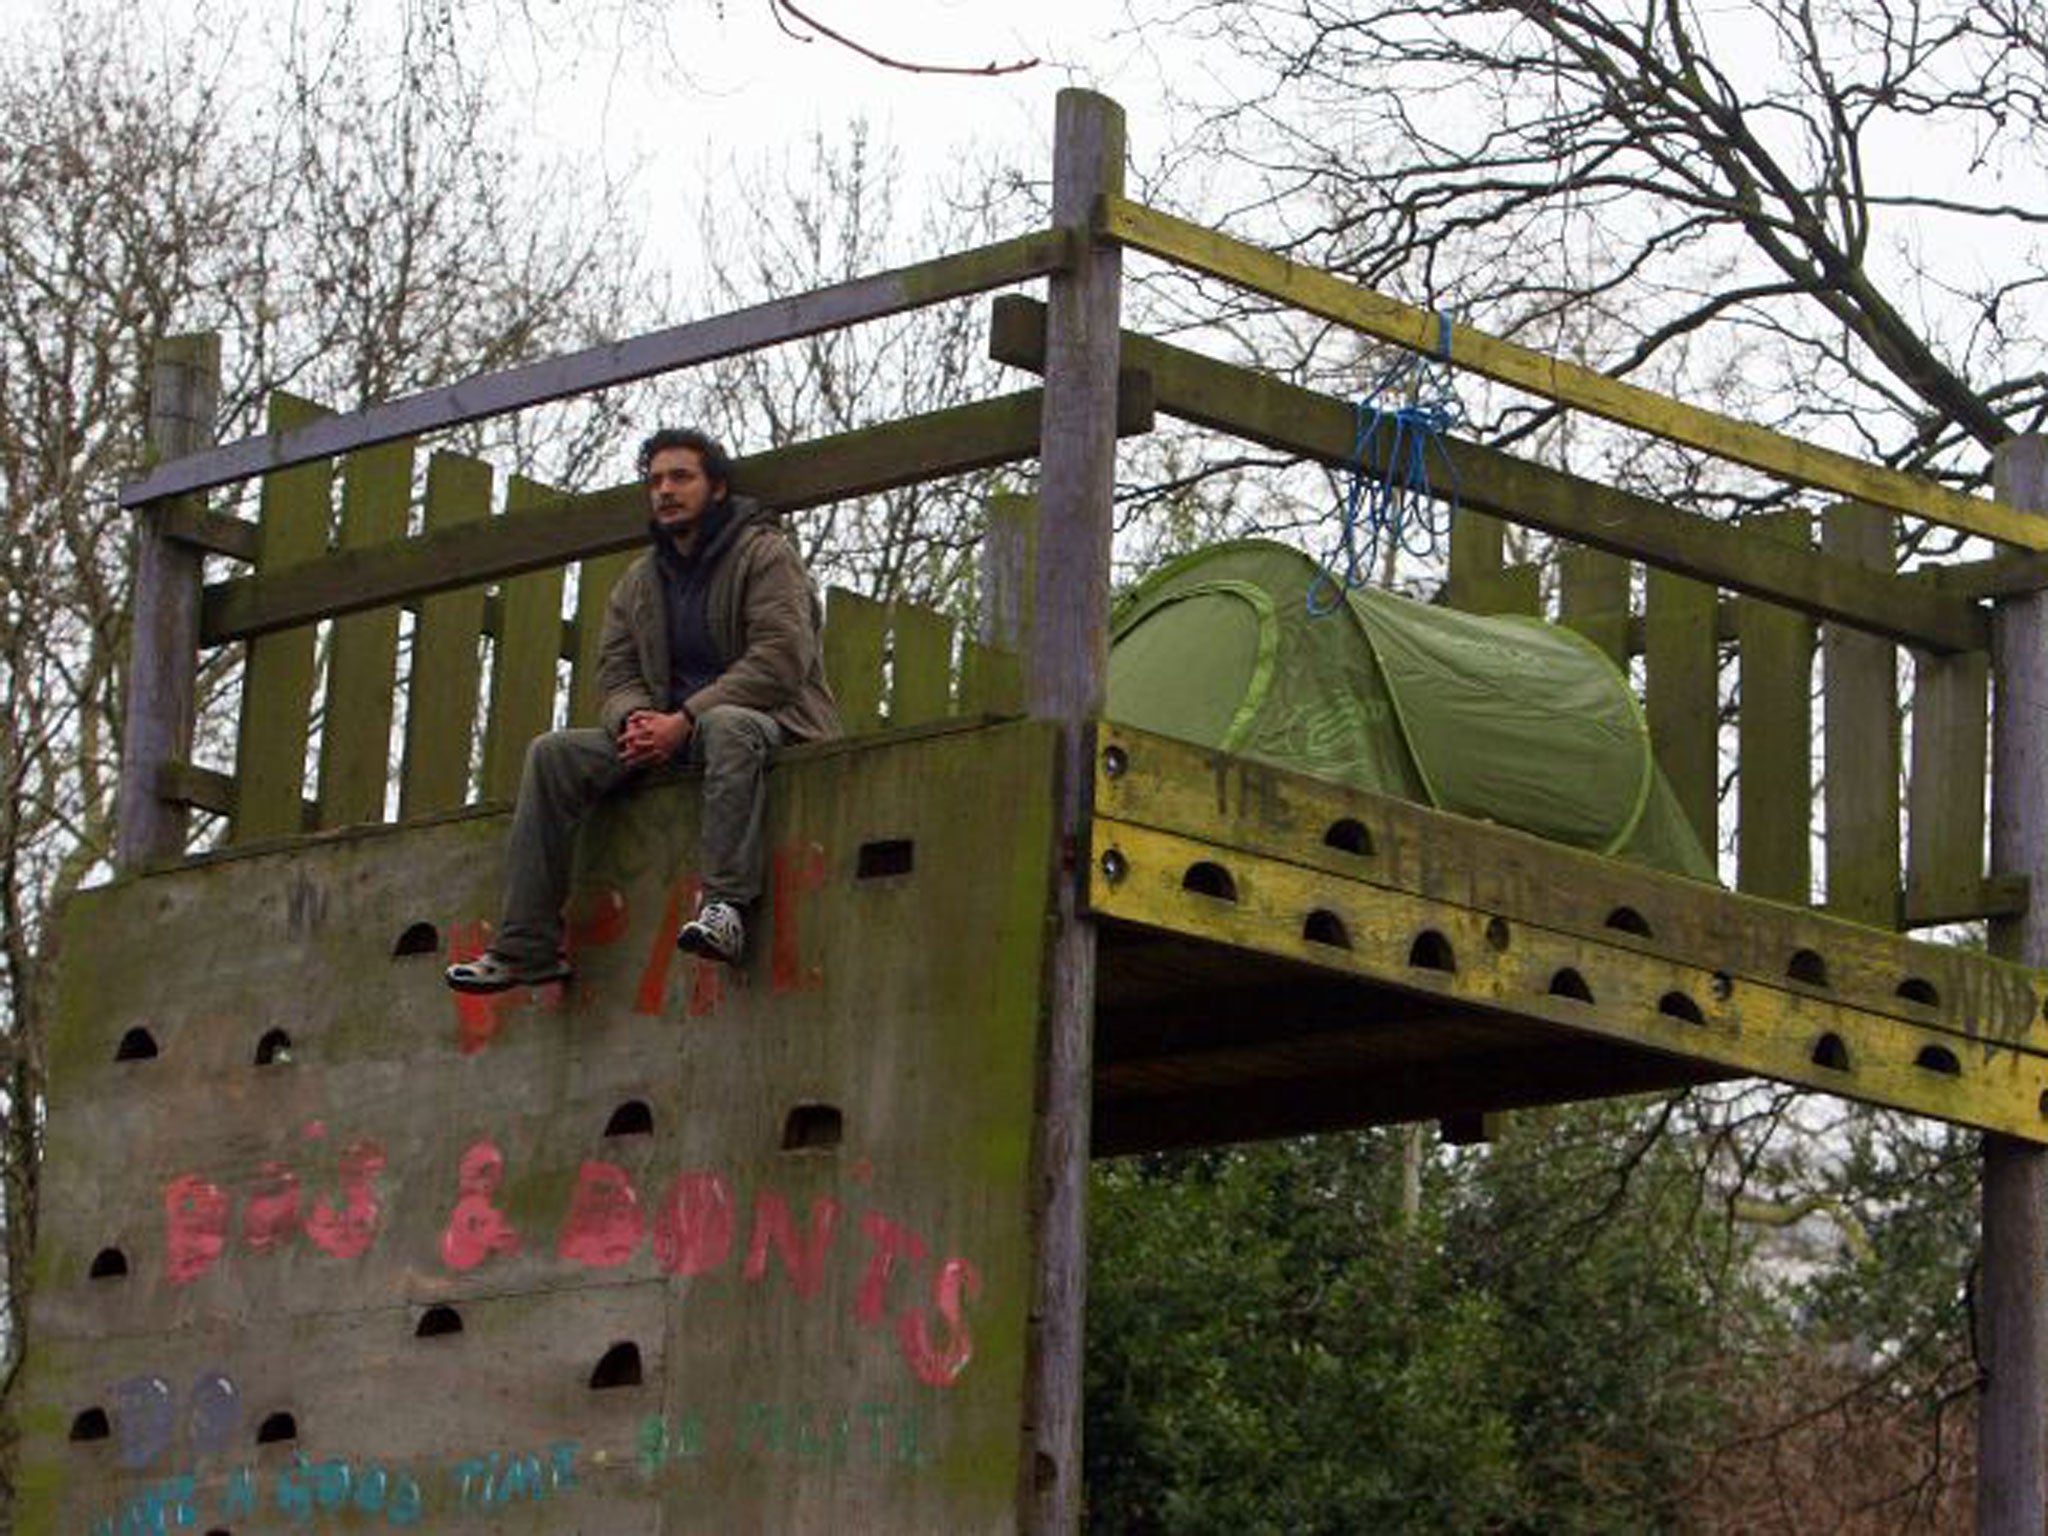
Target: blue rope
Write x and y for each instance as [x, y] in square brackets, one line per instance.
[1397, 506]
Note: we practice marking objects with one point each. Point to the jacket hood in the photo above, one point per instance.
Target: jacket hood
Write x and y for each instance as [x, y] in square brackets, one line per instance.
[724, 521]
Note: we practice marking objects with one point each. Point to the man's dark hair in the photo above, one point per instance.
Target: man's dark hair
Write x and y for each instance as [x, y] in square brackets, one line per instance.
[710, 452]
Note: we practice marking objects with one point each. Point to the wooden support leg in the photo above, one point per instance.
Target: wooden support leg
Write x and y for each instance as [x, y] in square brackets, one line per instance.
[2013, 1346]
[163, 656]
[1066, 680]
[2012, 1434]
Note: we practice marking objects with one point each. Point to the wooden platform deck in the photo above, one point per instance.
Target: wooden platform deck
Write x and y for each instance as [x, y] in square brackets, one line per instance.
[1281, 955]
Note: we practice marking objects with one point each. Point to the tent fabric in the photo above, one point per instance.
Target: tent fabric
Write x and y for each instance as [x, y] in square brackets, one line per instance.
[1504, 718]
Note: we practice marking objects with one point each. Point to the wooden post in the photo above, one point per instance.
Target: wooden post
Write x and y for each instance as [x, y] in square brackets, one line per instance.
[1066, 679]
[163, 646]
[2012, 1434]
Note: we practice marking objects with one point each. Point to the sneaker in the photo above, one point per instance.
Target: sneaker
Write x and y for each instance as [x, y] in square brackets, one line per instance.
[492, 972]
[717, 932]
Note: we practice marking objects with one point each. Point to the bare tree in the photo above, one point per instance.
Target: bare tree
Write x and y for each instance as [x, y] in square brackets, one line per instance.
[793, 18]
[1815, 212]
[356, 230]
[833, 212]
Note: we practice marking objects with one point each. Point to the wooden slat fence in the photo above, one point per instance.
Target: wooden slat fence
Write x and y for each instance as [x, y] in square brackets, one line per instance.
[898, 665]
[465, 732]
[893, 664]
[1872, 869]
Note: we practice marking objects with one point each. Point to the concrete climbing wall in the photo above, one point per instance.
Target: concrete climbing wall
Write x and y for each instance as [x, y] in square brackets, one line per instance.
[667, 1250]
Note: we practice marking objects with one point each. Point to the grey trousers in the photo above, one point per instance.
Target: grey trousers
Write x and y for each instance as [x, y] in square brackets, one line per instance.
[568, 772]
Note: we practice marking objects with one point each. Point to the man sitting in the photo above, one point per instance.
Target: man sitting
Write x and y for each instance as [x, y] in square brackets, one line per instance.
[709, 656]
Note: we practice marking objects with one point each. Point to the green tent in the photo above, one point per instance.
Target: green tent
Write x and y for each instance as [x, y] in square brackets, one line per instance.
[1504, 718]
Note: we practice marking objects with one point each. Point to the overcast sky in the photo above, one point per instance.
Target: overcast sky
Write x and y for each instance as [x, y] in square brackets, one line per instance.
[729, 83]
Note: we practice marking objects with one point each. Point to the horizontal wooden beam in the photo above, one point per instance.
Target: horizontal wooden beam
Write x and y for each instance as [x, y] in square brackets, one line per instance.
[1252, 405]
[1725, 611]
[1238, 803]
[214, 532]
[918, 448]
[205, 790]
[600, 367]
[2005, 575]
[1371, 1092]
[494, 626]
[201, 788]
[1569, 384]
[1997, 896]
[1600, 989]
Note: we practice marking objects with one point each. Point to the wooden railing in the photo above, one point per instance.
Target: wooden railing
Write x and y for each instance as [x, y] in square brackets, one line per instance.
[890, 664]
[1686, 632]
[326, 530]
[1766, 598]
[1551, 378]
[358, 570]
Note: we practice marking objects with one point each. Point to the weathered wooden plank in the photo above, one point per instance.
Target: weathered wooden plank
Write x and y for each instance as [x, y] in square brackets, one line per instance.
[1993, 896]
[1236, 803]
[1479, 579]
[510, 1387]
[992, 661]
[213, 533]
[1768, 1031]
[1475, 558]
[1860, 701]
[362, 668]
[1552, 378]
[1264, 410]
[991, 680]
[163, 653]
[203, 789]
[1724, 622]
[594, 582]
[1682, 688]
[523, 661]
[1009, 566]
[494, 624]
[2010, 573]
[1517, 589]
[856, 640]
[921, 665]
[441, 700]
[1945, 790]
[917, 448]
[600, 367]
[1593, 598]
[277, 679]
[1774, 724]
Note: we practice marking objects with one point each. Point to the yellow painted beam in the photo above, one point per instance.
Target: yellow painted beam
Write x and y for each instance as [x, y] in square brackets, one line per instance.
[1320, 293]
[1605, 990]
[1235, 803]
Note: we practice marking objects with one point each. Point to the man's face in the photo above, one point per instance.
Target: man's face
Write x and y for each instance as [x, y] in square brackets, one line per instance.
[678, 490]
